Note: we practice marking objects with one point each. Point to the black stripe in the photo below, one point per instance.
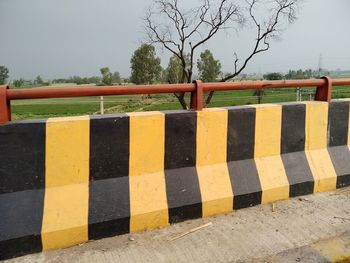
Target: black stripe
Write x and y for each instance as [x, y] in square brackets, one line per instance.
[182, 185]
[343, 181]
[340, 157]
[20, 222]
[338, 119]
[22, 183]
[240, 133]
[183, 194]
[109, 207]
[109, 194]
[20, 246]
[301, 181]
[245, 183]
[180, 139]
[293, 128]
[109, 147]
[244, 176]
[22, 155]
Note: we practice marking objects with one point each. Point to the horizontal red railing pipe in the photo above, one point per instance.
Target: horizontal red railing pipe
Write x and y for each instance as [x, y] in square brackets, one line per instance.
[264, 84]
[69, 92]
[341, 82]
[323, 92]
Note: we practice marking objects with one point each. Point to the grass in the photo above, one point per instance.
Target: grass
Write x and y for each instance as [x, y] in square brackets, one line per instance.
[44, 108]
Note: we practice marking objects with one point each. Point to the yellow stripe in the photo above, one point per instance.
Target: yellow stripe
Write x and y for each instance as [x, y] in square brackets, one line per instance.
[65, 219]
[268, 130]
[273, 178]
[213, 175]
[148, 202]
[317, 155]
[216, 190]
[316, 125]
[322, 169]
[211, 136]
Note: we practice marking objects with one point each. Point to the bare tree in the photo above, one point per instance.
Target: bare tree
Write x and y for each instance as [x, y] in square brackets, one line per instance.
[182, 31]
[266, 30]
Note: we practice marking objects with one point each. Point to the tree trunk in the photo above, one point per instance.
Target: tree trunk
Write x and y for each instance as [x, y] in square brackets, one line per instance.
[210, 95]
[181, 99]
[208, 100]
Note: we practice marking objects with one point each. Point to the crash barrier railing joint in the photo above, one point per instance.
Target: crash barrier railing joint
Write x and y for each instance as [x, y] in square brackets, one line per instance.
[197, 88]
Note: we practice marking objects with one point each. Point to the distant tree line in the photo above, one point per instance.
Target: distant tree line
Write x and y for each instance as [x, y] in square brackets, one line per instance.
[78, 80]
[106, 78]
[296, 74]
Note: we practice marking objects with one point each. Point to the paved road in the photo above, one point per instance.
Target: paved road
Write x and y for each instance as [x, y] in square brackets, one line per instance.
[251, 234]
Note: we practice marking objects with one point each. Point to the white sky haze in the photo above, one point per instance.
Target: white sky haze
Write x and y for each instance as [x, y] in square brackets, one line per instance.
[61, 38]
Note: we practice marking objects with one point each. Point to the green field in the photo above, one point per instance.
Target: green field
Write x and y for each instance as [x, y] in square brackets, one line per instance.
[28, 109]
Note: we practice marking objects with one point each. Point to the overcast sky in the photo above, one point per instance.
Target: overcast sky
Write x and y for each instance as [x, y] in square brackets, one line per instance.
[61, 38]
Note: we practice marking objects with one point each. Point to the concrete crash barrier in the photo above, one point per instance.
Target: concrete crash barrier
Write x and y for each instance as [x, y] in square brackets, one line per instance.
[64, 181]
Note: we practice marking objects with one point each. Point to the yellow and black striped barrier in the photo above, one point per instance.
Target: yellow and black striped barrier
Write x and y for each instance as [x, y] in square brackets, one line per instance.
[64, 181]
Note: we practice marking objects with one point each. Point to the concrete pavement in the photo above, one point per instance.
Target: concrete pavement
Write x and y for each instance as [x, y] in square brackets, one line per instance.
[257, 234]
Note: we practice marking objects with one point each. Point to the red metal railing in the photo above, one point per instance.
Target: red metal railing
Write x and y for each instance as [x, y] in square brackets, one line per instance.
[323, 91]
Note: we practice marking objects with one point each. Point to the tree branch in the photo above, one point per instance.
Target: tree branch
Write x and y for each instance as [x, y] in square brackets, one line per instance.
[196, 26]
[262, 44]
[264, 34]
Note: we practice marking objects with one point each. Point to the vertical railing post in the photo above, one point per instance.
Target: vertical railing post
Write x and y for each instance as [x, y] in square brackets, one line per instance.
[5, 108]
[197, 96]
[324, 93]
[102, 105]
